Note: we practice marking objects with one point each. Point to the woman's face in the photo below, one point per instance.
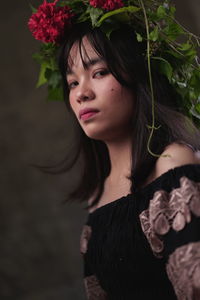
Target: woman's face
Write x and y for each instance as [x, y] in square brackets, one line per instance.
[102, 106]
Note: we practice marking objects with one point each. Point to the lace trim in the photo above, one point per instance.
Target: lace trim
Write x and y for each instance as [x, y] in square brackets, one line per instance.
[85, 236]
[93, 289]
[170, 210]
[183, 270]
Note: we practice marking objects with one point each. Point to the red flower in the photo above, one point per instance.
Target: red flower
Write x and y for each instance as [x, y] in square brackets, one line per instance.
[97, 3]
[48, 24]
[107, 4]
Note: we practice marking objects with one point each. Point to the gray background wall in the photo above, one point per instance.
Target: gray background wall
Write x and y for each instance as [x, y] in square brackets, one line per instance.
[39, 236]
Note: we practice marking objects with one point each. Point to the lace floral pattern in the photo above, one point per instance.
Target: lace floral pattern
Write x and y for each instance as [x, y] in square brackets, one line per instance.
[93, 289]
[85, 236]
[183, 270]
[170, 210]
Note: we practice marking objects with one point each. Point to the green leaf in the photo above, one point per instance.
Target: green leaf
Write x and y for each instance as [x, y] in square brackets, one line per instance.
[172, 10]
[195, 110]
[195, 83]
[173, 31]
[161, 12]
[165, 67]
[174, 54]
[188, 51]
[84, 17]
[126, 9]
[42, 78]
[55, 94]
[47, 53]
[153, 36]
[54, 77]
[185, 47]
[34, 10]
[139, 37]
[95, 13]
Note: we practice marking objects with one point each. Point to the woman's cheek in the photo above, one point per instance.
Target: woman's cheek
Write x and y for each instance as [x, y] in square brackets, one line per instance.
[72, 103]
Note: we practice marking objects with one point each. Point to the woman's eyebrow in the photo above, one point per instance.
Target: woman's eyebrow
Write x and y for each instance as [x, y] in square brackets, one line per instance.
[87, 64]
[93, 62]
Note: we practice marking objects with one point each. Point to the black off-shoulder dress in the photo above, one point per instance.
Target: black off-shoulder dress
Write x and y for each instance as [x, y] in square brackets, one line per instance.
[147, 245]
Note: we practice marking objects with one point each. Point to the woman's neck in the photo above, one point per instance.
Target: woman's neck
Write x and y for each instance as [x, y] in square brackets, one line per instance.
[120, 153]
[117, 184]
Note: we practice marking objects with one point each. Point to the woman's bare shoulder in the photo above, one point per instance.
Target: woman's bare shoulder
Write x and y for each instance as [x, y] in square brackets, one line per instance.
[175, 155]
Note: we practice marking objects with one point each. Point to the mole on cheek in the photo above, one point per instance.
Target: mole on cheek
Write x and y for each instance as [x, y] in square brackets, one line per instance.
[112, 90]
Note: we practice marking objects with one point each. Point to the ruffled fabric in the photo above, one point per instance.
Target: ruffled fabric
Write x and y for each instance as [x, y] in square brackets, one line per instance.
[85, 236]
[93, 289]
[183, 269]
[170, 211]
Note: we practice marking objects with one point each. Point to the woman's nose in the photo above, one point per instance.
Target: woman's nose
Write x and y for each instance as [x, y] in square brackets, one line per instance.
[85, 94]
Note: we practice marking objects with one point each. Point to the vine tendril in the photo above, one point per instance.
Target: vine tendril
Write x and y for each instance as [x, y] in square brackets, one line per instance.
[152, 126]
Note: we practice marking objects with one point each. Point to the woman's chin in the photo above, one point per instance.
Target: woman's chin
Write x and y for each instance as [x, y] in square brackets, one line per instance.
[96, 134]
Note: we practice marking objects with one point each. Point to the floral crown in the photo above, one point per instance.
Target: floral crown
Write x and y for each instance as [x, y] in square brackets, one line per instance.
[169, 45]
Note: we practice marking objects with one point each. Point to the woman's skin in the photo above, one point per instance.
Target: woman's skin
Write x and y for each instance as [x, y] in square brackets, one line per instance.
[110, 109]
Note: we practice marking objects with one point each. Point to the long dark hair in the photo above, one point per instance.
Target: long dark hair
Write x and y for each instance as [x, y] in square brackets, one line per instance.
[126, 60]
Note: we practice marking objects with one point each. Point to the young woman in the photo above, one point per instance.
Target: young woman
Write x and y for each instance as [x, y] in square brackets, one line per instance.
[143, 227]
[142, 236]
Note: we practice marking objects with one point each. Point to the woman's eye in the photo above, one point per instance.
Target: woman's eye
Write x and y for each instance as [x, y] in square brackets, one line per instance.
[101, 73]
[72, 84]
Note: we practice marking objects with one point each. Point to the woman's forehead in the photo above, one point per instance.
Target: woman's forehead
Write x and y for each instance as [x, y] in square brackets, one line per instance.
[81, 52]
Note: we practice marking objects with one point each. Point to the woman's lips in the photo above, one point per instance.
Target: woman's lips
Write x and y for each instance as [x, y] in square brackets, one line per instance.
[86, 114]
